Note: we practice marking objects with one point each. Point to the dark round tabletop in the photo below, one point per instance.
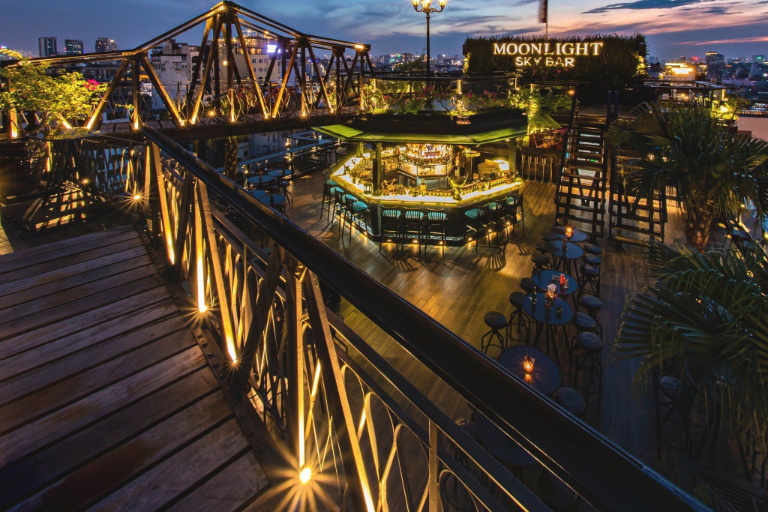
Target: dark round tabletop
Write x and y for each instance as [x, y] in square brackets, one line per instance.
[577, 237]
[573, 252]
[262, 179]
[279, 173]
[541, 315]
[545, 377]
[543, 278]
[258, 193]
[500, 445]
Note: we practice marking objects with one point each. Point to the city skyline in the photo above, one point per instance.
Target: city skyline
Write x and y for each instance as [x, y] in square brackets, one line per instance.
[672, 26]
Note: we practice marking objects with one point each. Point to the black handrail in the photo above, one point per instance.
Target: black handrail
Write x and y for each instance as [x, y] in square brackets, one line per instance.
[601, 472]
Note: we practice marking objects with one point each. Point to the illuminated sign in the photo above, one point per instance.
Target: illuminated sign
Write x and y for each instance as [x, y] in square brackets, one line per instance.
[549, 54]
[271, 48]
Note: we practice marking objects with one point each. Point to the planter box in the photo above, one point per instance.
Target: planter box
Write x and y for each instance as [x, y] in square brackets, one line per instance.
[22, 163]
[439, 124]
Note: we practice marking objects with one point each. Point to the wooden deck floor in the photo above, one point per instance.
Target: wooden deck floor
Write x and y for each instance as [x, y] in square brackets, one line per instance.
[106, 399]
[459, 289]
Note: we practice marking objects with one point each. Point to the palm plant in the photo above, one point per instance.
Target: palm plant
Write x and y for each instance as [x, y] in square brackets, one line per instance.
[713, 170]
[707, 314]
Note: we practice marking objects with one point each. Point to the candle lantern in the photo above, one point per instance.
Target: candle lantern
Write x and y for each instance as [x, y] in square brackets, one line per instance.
[568, 232]
[528, 365]
[550, 296]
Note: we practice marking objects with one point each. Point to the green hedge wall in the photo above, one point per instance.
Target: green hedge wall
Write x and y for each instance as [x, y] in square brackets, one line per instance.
[617, 64]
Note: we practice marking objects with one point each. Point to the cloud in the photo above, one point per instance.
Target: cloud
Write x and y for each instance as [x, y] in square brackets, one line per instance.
[644, 4]
[735, 40]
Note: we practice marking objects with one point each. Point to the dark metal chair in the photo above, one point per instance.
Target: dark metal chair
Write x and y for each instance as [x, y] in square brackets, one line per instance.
[475, 224]
[389, 227]
[514, 206]
[412, 226]
[435, 224]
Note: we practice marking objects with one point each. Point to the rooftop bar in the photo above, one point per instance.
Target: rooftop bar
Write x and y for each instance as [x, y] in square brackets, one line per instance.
[450, 174]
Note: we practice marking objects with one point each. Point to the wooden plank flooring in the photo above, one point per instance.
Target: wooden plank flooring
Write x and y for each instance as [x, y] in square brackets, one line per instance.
[106, 400]
[459, 289]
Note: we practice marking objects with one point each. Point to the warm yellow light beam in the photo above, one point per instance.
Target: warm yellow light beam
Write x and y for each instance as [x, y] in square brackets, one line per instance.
[305, 475]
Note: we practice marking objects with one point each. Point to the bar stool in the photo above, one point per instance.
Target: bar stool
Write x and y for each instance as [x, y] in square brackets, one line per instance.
[389, 227]
[338, 201]
[589, 280]
[527, 285]
[329, 189]
[514, 204]
[570, 400]
[592, 249]
[588, 349]
[497, 322]
[496, 218]
[517, 299]
[346, 212]
[475, 220]
[593, 305]
[412, 224]
[541, 261]
[283, 187]
[360, 213]
[435, 225]
[583, 323]
[674, 403]
[592, 259]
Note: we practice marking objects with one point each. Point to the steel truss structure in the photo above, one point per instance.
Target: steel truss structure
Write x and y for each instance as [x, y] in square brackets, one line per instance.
[224, 24]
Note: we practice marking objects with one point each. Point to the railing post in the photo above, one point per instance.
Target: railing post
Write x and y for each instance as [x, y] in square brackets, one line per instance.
[434, 497]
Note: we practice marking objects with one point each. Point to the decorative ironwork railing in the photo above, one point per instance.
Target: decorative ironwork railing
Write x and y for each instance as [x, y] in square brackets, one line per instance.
[350, 430]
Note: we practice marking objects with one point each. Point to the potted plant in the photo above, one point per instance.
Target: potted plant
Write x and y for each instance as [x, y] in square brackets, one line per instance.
[704, 315]
[47, 101]
[713, 170]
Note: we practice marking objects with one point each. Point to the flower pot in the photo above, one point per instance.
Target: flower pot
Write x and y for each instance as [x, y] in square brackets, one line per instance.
[22, 163]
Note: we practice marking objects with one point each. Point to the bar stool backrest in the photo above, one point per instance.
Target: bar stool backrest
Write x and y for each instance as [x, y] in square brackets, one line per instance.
[436, 215]
[412, 214]
[390, 214]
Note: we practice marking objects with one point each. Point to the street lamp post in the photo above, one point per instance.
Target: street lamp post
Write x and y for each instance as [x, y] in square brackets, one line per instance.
[426, 8]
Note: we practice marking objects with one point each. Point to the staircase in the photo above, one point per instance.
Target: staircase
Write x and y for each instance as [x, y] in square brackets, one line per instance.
[633, 220]
[581, 190]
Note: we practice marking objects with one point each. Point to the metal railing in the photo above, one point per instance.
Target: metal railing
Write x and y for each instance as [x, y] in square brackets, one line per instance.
[335, 407]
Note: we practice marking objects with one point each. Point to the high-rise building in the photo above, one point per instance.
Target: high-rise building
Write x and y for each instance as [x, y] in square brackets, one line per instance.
[47, 46]
[104, 45]
[760, 59]
[73, 46]
[715, 65]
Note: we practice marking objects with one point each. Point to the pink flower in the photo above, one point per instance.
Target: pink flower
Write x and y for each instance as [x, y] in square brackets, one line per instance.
[92, 84]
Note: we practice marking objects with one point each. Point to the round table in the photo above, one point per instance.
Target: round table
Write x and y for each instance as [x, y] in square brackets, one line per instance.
[279, 173]
[564, 259]
[549, 321]
[545, 377]
[543, 278]
[500, 445]
[577, 237]
[260, 180]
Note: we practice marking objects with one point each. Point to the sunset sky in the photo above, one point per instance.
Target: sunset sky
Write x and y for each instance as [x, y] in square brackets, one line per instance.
[674, 27]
